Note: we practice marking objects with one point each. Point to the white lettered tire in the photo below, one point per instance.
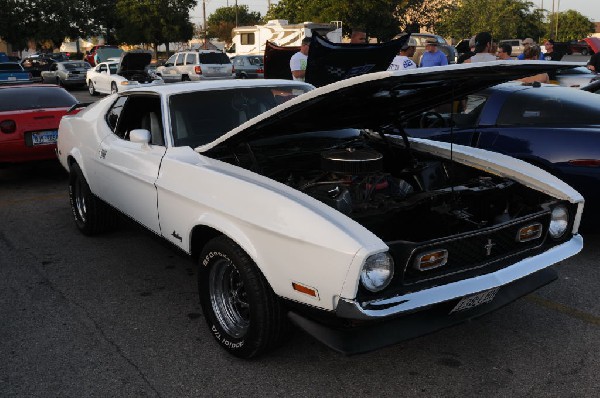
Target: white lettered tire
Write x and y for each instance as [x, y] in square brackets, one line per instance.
[242, 312]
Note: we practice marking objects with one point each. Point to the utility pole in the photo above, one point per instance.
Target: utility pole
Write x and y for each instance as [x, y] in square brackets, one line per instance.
[236, 14]
[204, 23]
[557, 8]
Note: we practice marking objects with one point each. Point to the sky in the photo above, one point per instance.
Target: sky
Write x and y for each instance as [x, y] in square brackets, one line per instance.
[588, 8]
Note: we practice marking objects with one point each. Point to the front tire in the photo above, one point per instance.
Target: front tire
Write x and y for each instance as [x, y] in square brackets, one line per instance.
[242, 312]
[92, 216]
[113, 88]
[91, 88]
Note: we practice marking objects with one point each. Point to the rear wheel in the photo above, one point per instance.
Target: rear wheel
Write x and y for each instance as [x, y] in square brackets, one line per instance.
[185, 78]
[242, 312]
[91, 215]
[59, 82]
[91, 88]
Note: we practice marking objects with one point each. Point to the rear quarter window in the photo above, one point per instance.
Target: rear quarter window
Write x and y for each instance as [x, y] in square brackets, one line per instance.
[550, 106]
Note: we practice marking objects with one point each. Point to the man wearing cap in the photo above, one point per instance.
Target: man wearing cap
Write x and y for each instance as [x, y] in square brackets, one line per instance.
[402, 60]
[483, 48]
[299, 60]
[432, 56]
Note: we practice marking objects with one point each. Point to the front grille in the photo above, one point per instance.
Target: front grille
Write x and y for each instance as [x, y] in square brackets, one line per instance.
[475, 250]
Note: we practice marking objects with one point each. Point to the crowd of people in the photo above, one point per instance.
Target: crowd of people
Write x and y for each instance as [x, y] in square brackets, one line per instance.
[482, 48]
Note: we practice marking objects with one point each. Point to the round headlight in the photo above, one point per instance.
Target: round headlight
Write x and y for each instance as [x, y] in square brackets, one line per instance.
[559, 221]
[377, 272]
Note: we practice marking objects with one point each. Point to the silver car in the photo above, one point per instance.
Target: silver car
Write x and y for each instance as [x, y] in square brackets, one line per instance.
[249, 66]
[196, 65]
[67, 73]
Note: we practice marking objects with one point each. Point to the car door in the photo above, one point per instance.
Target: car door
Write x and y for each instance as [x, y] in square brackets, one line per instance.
[126, 171]
[100, 77]
[167, 70]
[179, 68]
[49, 76]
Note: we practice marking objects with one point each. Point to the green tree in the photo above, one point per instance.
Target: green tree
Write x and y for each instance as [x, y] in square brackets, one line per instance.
[154, 21]
[220, 23]
[502, 18]
[571, 25]
[46, 23]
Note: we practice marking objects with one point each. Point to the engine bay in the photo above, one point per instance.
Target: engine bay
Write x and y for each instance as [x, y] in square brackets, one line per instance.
[397, 194]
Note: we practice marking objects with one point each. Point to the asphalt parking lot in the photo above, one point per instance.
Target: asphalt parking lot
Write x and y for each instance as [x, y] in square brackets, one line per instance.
[118, 315]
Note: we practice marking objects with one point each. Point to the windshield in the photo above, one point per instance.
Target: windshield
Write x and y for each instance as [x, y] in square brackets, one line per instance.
[200, 117]
[27, 98]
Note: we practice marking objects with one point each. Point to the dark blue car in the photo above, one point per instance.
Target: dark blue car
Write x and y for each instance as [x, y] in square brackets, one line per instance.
[555, 128]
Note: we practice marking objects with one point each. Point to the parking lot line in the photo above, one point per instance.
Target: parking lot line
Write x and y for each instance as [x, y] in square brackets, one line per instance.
[572, 312]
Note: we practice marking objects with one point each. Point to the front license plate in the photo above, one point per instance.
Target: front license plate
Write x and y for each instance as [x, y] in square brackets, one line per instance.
[44, 137]
[475, 300]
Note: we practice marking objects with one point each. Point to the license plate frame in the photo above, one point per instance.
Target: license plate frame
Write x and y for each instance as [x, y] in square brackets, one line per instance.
[475, 300]
[46, 137]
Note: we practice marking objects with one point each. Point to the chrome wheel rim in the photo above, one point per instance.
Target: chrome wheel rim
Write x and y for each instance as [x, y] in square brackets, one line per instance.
[113, 89]
[80, 205]
[228, 298]
[91, 88]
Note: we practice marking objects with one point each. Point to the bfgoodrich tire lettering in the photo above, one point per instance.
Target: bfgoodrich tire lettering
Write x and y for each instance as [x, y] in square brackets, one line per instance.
[91, 215]
[242, 312]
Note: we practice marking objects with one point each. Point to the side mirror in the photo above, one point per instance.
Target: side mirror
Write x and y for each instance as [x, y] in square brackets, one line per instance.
[141, 136]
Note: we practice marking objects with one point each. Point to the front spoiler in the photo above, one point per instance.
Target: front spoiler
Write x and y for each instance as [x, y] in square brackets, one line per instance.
[377, 334]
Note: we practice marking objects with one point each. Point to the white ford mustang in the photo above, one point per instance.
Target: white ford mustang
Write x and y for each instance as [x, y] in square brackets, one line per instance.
[126, 73]
[313, 206]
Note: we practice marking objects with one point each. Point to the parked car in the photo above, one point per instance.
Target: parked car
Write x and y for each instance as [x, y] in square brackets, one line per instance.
[248, 66]
[581, 47]
[130, 72]
[576, 77]
[102, 53]
[443, 45]
[13, 72]
[36, 65]
[317, 210]
[554, 128]
[69, 73]
[197, 65]
[29, 118]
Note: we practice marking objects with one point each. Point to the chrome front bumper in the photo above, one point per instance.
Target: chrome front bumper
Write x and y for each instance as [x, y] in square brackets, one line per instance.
[417, 301]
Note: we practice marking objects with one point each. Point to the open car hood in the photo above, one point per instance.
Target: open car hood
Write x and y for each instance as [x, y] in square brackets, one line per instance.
[380, 99]
[594, 43]
[134, 60]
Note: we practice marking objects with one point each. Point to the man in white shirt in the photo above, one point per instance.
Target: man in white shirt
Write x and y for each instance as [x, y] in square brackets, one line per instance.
[483, 48]
[299, 60]
[403, 59]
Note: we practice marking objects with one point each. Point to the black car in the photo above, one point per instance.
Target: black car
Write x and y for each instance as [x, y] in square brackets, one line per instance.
[36, 64]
